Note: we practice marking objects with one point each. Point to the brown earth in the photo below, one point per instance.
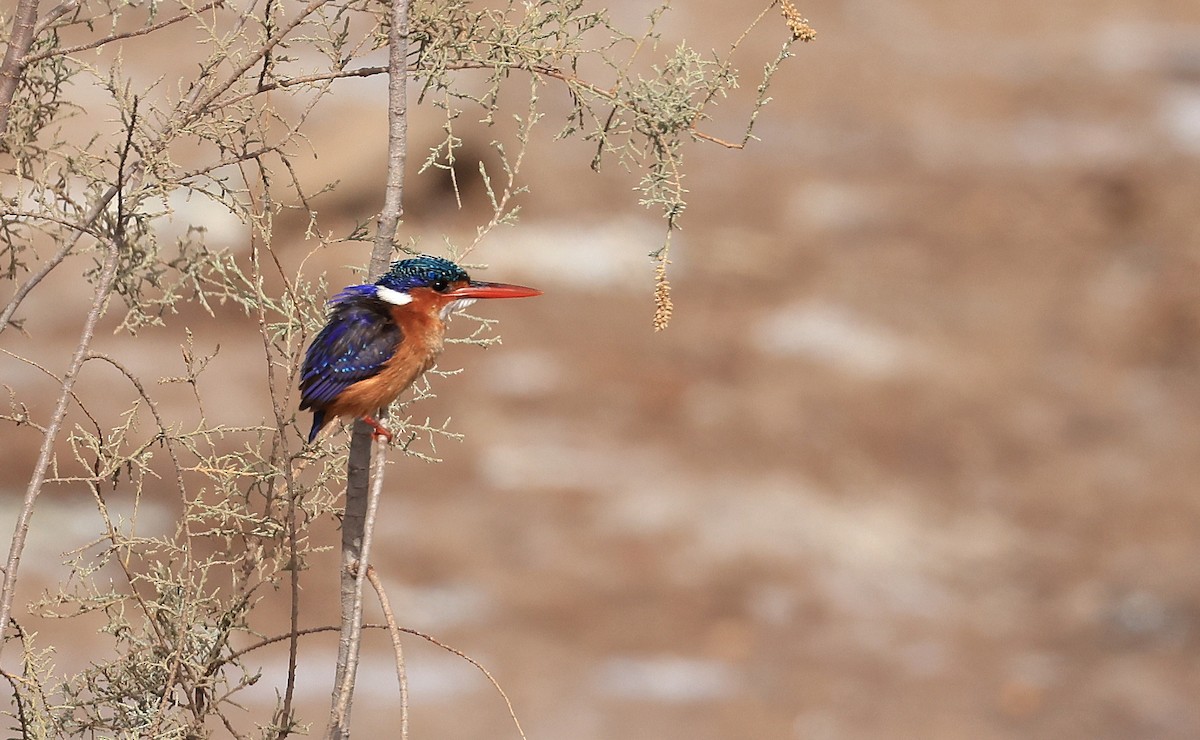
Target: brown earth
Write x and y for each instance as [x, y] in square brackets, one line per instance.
[917, 457]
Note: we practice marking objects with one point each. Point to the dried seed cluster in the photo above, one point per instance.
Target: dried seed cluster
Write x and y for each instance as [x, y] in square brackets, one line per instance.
[798, 24]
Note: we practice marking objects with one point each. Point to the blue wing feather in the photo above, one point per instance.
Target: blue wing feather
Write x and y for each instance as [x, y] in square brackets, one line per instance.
[353, 293]
[356, 342]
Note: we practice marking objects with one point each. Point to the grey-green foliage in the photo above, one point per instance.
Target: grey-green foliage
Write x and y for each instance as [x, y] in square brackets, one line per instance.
[98, 158]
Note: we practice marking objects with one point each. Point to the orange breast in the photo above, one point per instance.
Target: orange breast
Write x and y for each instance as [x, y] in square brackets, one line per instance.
[423, 334]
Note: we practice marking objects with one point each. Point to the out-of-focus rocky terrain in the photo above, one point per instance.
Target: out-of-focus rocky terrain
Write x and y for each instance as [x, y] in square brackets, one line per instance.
[917, 457]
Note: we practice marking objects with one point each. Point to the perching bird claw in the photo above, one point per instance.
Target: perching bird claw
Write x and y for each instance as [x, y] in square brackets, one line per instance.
[381, 432]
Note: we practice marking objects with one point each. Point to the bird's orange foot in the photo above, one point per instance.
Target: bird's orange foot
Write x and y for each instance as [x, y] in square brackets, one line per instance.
[381, 432]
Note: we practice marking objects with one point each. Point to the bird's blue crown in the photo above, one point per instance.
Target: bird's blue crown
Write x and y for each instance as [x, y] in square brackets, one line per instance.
[421, 271]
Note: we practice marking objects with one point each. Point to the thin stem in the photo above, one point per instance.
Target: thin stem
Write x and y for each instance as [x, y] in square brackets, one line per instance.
[406, 630]
[300, 80]
[279, 450]
[58, 52]
[340, 723]
[295, 633]
[715, 140]
[393, 200]
[495, 684]
[397, 649]
[58, 11]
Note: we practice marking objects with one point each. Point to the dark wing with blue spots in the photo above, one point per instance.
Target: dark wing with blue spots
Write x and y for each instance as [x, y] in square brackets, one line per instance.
[356, 342]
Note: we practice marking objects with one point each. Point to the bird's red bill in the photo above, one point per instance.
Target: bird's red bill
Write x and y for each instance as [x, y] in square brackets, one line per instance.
[480, 289]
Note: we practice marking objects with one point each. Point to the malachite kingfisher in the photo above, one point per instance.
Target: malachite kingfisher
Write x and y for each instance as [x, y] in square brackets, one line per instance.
[380, 338]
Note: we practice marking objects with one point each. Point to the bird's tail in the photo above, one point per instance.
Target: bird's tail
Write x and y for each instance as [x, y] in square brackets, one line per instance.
[318, 423]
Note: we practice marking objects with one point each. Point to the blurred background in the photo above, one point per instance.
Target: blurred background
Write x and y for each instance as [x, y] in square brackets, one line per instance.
[916, 457]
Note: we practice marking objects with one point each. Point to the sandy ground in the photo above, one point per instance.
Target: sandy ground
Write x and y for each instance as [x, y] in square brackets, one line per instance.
[917, 457]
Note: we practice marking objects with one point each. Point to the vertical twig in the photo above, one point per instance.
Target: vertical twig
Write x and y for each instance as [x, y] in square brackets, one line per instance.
[284, 720]
[393, 198]
[397, 649]
[356, 523]
[340, 723]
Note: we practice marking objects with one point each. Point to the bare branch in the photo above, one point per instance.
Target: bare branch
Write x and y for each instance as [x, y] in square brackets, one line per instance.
[58, 11]
[58, 52]
[715, 140]
[397, 649]
[339, 726]
[13, 65]
[290, 635]
[357, 524]
[495, 684]
[301, 80]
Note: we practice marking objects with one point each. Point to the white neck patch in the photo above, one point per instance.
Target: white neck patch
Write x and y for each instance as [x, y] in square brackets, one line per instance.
[394, 297]
[455, 306]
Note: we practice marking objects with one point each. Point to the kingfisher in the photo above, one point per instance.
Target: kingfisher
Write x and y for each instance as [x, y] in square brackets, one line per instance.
[380, 338]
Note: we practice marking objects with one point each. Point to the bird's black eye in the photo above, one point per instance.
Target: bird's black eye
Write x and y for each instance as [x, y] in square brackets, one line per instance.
[440, 286]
